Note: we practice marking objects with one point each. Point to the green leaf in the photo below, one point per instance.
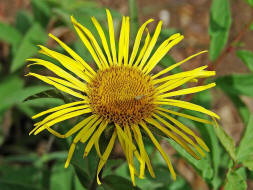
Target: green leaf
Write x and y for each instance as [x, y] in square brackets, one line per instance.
[29, 106]
[248, 163]
[8, 89]
[61, 178]
[226, 141]
[34, 36]
[19, 178]
[41, 11]
[113, 182]
[77, 184]
[29, 91]
[245, 149]
[208, 134]
[62, 16]
[12, 92]
[180, 183]
[162, 175]
[203, 166]
[220, 21]
[236, 84]
[9, 34]
[235, 181]
[85, 168]
[82, 176]
[48, 93]
[250, 2]
[251, 26]
[247, 58]
[24, 21]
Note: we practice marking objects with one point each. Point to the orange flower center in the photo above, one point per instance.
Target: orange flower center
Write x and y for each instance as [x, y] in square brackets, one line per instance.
[122, 94]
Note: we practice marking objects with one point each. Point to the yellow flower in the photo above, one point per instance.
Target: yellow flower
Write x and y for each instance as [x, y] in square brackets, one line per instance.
[122, 92]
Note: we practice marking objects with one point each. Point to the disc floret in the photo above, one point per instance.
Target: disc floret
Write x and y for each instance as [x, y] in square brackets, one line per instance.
[122, 94]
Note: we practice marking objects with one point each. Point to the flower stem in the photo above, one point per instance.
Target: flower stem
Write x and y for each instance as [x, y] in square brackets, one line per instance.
[133, 12]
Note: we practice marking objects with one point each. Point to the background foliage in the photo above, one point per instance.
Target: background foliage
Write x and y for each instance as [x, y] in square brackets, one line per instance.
[36, 162]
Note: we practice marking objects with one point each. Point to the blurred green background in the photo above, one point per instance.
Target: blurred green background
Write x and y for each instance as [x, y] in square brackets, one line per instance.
[224, 27]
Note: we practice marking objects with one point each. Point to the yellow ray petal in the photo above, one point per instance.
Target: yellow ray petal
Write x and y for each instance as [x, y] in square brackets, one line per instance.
[58, 108]
[168, 83]
[183, 77]
[74, 129]
[122, 143]
[106, 155]
[59, 71]
[126, 43]
[128, 154]
[90, 129]
[160, 50]
[138, 139]
[66, 83]
[143, 50]
[103, 39]
[98, 148]
[75, 141]
[173, 136]
[127, 141]
[93, 41]
[62, 118]
[138, 40]
[129, 151]
[62, 112]
[142, 166]
[121, 41]
[125, 148]
[159, 148]
[185, 115]
[180, 133]
[58, 86]
[194, 80]
[159, 54]
[185, 129]
[67, 62]
[95, 136]
[70, 154]
[74, 55]
[172, 85]
[187, 105]
[198, 72]
[176, 65]
[151, 45]
[111, 35]
[187, 91]
[87, 43]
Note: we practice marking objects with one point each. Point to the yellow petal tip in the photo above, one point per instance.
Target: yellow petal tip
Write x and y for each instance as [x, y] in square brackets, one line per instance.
[66, 164]
[51, 35]
[73, 20]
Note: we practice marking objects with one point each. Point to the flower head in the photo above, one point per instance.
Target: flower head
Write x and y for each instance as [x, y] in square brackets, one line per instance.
[122, 92]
